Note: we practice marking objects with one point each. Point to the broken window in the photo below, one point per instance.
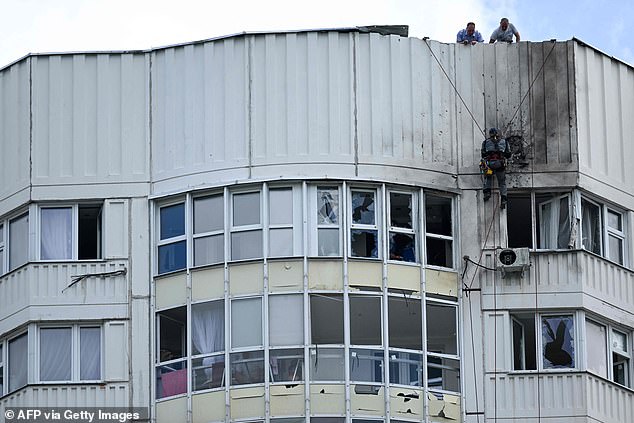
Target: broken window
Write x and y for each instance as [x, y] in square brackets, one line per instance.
[366, 365]
[326, 364]
[326, 319]
[246, 323]
[246, 226]
[402, 232]
[209, 225]
[524, 347]
[365, 320]
[558, 341]
[286, 320]
[328, 221]
[442, 328]
[364, 239]
[596, 354]
[208, 372]
[443, 373]
[247, 367]
[172, 245]
[406, 368]
[439, 230]
[287, 365]
[620, 358]
[405, 323]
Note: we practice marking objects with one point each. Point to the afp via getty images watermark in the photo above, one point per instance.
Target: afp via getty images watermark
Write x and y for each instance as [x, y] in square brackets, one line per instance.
[76, 415]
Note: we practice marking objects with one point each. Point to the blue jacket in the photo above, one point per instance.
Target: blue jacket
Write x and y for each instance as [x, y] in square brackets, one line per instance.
[463, 36]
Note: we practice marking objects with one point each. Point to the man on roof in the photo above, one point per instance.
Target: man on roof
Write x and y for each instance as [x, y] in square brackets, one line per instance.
[469, 35]
[505, 32]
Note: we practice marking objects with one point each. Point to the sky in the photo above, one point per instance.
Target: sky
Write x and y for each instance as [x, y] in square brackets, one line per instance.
[48, 26]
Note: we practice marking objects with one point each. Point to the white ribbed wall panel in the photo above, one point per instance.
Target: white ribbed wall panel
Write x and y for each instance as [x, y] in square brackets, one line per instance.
[605, 104]
[90, 119]
[44, 284]
[56, 396]
[14, 132]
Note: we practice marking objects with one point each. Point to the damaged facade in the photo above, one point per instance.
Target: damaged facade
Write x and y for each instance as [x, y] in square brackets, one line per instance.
[285, 227]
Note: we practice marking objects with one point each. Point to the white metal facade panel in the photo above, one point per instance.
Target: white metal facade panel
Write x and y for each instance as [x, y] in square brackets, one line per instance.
[116, 222]
[605, 104]
[14, 130]
[89, 118]
[116, 357]
[56, 396]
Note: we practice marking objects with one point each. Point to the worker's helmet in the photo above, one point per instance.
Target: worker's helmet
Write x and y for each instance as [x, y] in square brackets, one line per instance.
[494, 131]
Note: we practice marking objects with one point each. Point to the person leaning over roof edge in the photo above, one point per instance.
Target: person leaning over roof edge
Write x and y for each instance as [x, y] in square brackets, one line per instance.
[505, 32]
[469, 35]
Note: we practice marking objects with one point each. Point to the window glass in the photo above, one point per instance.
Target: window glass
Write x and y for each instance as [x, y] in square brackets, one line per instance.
[171, 379]
[172, 221]
[208, 327]
[281, 242]
[287, 365]
[443, 373]
[439, 252]
[615, 220]
[286, 320]
[405, 323]
[326, 319]
[247, 367]
[56, 233]
[326, 364]
[281, 206]
[402, 247]
[246, 209]
[1, 372]
[590, 226]
[558, 342]
[406, 368]
[596, 342]
[438, 215]
[18, 362]
[89, 227]
[55, 354]
[172, 332]
[208, 214]
[246, 245]
[172, 257]
[365, 320]
[442, 331]
[246, 323]
[615, 249]
[89, 353]
[366, 365]
[620, 358]
[327, 206]
[208, 372]
[209, 250]
[328, 241]
[554, 223]
[363, 208]
[18, 241]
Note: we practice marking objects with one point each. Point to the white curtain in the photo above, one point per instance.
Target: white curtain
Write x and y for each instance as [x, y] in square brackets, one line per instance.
[90, 353]
[18, 353]
[55, 353]
[56, 233]
[208, 327]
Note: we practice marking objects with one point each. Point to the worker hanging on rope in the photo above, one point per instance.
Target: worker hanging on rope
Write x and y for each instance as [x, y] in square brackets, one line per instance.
[495, 151]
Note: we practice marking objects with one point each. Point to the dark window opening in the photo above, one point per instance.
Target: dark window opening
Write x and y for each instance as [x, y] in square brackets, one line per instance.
[89, 238]
[519, 221]
[172, 329]
[405, 323]
[326, 319]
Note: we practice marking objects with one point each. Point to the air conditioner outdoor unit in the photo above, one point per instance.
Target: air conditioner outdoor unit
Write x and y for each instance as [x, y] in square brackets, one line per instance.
[512, 259]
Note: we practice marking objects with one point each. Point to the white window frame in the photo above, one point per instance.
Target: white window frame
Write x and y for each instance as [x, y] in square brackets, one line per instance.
[554, 223]
[376, 227]
[3, 378]
[233, 229]
[401, 230]
[313, 218]
[208, 234]
[427, 234]
[173, 240]
[293, 225]
[606, 231]
[614, 349]
[19, 215]
[3, 256]
[75, 352]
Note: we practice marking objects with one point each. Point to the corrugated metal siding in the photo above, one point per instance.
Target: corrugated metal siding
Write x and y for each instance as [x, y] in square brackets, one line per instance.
[89, 118]
[55, 396]
[14, 129]
[605, 103]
